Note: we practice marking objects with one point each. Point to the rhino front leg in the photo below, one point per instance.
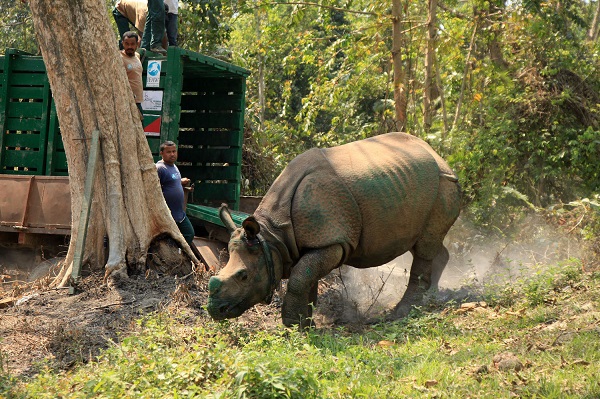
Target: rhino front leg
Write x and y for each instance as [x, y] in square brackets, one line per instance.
[418, 282]
[303, 283]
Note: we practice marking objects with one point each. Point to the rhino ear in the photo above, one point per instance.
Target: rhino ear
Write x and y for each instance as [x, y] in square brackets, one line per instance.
[251, 227]
[226, 218]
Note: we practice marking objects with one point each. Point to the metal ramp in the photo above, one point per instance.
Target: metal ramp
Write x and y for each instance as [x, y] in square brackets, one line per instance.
[35, 204]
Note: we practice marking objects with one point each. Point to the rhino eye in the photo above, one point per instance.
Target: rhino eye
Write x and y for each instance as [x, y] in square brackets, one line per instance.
[242, 275]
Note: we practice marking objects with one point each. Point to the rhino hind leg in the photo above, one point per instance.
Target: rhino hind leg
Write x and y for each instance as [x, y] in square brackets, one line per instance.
[429, 260]
[302, 285]
[429, 254]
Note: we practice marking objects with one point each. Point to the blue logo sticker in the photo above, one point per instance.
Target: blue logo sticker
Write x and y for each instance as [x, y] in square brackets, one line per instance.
[154, 68]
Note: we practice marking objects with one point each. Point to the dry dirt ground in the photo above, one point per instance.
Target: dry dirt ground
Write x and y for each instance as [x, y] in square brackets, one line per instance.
[46, 324]
[51, 325]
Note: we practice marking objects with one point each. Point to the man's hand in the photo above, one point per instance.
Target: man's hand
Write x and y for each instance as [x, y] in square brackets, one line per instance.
[185, 181]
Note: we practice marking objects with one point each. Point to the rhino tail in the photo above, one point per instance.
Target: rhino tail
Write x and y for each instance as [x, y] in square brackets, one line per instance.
[449, 176]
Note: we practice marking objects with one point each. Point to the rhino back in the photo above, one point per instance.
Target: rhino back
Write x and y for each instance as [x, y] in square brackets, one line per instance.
[373, 197]
[393, 182]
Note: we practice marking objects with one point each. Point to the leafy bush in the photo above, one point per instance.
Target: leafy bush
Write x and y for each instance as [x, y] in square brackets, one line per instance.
[533, 286]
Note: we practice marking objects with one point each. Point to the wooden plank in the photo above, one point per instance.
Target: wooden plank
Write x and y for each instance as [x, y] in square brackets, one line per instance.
[25, 158]
[88, 192]
[222, 67]
[209, 191]
[45, 116]
[18, 171]
[28, 64]
[154, 143]
[210, 155]
[28, 79]
[4, 105]
[17, 92]
[49, 204]
[210, 252]
[26, 202]
[53, 133]
[169, 129]
[24, 140]
[28, 124]
[59, 164]
[24, 110]
[240, 126]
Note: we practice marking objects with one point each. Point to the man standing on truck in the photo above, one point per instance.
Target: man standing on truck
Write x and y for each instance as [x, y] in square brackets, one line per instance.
[154, 31]
[133, 67]
[139, 14]
[172, 185]
[130, 12]
[171, 22]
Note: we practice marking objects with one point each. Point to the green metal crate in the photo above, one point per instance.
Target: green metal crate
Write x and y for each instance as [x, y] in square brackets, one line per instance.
[24, 114]
[191, 99]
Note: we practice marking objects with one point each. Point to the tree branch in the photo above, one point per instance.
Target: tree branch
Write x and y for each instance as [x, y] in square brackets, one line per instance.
[303, 3]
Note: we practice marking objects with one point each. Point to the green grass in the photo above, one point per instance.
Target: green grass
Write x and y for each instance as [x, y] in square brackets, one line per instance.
[552, 327]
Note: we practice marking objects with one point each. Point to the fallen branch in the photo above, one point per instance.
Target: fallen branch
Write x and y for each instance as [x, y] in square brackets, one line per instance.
[114, 304]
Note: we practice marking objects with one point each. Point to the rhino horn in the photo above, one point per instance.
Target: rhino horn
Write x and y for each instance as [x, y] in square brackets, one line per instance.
[251, 227]
[226, 218]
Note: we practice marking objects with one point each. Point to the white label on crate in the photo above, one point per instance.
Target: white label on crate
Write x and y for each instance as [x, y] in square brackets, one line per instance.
[153, 73]
[153, 100]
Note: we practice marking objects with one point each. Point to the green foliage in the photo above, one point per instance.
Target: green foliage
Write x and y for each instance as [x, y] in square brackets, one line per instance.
[541, 126]
[324, 79]
[258, 382]
[537, 285]
[16, 27]
[529, 123]
[201, 27]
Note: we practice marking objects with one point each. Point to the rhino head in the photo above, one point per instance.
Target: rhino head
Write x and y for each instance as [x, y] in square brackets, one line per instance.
[249, 276]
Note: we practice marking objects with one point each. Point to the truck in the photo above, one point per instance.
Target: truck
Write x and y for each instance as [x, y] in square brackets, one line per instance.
[192, 99]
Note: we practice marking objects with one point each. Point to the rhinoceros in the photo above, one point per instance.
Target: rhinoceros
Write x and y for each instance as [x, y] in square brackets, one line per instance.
[361, 204]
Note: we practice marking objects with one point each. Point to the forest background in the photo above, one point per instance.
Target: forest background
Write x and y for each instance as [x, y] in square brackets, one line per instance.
[508, 92]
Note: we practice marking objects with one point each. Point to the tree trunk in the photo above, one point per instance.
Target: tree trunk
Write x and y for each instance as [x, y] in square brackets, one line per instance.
[440, 87]
[261, 71]
[429, 60]
[465, 75]
[593, 32]
[493, 24]
[400, 100]
[91, 91]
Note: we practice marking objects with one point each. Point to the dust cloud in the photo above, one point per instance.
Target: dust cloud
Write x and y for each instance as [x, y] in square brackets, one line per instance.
[476, 258]
[22, 263]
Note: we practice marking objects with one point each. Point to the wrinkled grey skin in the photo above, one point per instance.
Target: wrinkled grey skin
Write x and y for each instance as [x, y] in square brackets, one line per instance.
[361, 204]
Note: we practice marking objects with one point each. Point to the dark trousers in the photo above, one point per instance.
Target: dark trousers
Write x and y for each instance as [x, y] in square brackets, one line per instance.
[155, 25]
[122, 25]
[187, 230]
[172, 22]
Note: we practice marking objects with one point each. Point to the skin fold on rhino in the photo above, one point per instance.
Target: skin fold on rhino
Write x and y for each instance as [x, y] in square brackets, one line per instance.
[361, 204]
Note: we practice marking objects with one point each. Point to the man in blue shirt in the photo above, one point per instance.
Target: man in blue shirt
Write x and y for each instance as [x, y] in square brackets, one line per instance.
[172, 185]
